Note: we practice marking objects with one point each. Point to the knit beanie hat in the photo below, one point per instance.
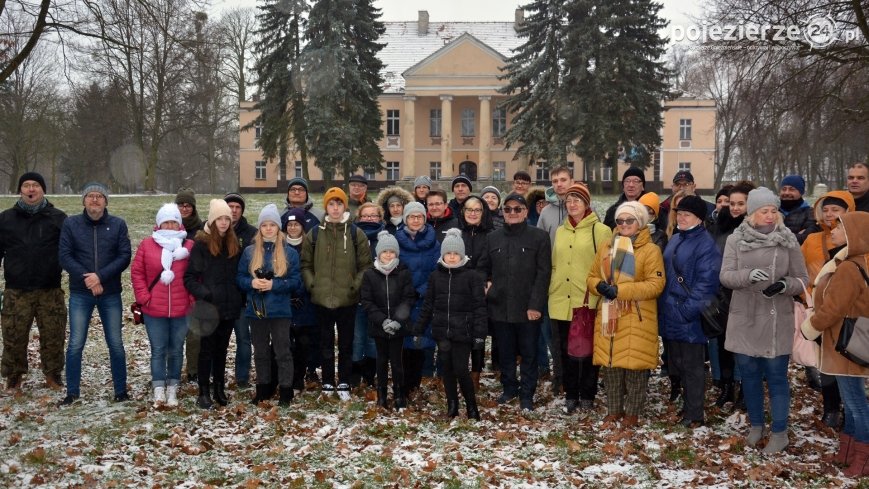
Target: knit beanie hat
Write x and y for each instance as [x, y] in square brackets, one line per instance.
[795, 181]
[334, 193]
[762, 196]
[168, 212]
[269, 213]
[582, 191]
[235, 197]
[393, 199]
[95, 187]
[217, 208]
[635, 209]
[412, 208]
[835, 201]
[386, 241]
[491, 190]
[296, 214]
[652, 201]
[462, 178]
[453, 243]
[693, 204]
[186, 196]
[31, 175]
[422, 180]
[634, 172]
[298, 181]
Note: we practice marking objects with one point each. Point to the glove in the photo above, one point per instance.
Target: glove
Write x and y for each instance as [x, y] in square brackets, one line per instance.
[417, 341]
[776, 288]
[479, 343]
[391, 326]
[607, 290]
[758, 275]
[296, 302]
[806, 328]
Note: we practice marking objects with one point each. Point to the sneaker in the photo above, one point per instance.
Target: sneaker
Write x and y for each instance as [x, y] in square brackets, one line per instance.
[123, 396]
[172, 395]
[586, 405]
[570, 406]
[327, 390]
[68, 400]
[505, 398]
[344, 392]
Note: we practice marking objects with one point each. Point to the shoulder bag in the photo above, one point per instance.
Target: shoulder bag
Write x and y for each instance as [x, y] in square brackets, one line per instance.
[580, 337]
[804, 352]
[136, 308]
[853, 342]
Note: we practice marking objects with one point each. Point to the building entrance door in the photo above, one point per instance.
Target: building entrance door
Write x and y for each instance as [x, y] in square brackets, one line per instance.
[468, 168]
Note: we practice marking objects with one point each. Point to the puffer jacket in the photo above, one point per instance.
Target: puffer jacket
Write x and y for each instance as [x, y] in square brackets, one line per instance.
[455, 304]
[553, 215]
[443, 224]
[163, 301]
[101, 246]
[28, 247]
[635, 344]
[534, 194]
[420, 254]
[388, 297]
[212, 279]
[244, 232]
[304, 313]
[275, 302]
[759, 326]
[799, 220]
[313, 216]
[840, 292]
[382, 199]
[610, 216]
[816, 248]
[572, 256]
[332, 267]
[694, 253]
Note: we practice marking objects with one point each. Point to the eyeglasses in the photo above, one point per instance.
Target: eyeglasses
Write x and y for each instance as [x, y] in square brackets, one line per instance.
[521, 182]
[513, 210]
[29, 186]
[369, 216]
[474, 211]
[415, 216]
[626, 222]
[296, 190]
[95, 196]
[436, 204]
[573, 200]
[682, 184]
[632, 180]
[185, 206]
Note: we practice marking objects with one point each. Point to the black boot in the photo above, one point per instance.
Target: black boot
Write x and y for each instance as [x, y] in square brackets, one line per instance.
[356, 374]
[286, 395]
[675, 387]
[220, 394]
[381, 398]
[739, 403]
[727, 394]
[262, 391]
[369, 371]
[400, 400]
[204, 399]
[452, 407]
[471, 406]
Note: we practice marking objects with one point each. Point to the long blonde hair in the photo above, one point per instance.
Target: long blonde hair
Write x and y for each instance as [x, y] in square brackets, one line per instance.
[279, 257]
[671, 222]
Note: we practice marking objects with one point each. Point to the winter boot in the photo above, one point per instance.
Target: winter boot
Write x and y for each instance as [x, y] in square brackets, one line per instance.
[846, 451]
[381, 397]
[778, 441]
[400, 399]
[471, 406]
[675, 387]
[159, 395]
[356, 374]
[369, 372]
[172, 395]
[452, 407]
[475, 378]
[755, 434]
[727, 394]
[204, 399]
[220, 394]
[739, 404]
[262, 391]
[860, 466]
[286, 395]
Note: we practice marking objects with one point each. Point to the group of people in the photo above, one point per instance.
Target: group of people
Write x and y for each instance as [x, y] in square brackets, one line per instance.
[413, 283]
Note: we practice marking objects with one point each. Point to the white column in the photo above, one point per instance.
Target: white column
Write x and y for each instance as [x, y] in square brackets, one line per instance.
[484, 166]
[446, 136]
[408, 166]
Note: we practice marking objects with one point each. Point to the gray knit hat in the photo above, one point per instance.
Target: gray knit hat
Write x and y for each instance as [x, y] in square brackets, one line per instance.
[269, 213]
[422, 180]
[762, 196]
[412, 208]
[453, 243]
[95, 187]
[386, 241]
[491, 190]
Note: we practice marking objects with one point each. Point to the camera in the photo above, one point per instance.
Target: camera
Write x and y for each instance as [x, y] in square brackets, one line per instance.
[264, 274]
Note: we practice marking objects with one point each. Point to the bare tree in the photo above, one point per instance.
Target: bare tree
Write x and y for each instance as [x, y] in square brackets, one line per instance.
[237, 33]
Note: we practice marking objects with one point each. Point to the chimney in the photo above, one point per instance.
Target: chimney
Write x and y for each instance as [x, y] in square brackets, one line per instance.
[518, 19]
[423, 22]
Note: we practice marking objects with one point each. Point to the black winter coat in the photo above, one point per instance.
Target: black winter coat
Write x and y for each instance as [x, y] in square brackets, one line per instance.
[212, 279]
[518, 262]
[475, 244]
[29, 247]
[455, 303]
[244, 232]
[388, 296]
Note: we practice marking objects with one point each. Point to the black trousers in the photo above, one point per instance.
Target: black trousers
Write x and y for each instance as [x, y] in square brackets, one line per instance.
[300, 338]
[579, 376]
[212, 353]
[518, 339]
[345, 319]
[267, 335]
[454, 357]
[413, 361]
[389, 354]
[726, 360]
[686, 361]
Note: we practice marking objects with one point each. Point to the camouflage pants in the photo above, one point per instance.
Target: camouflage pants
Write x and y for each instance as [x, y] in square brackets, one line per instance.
[20, 307]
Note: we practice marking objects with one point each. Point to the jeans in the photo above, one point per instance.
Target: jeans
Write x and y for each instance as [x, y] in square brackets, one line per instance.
[363, 346]
[518, 339]
[775, 370]
[242, 348]
[167, 337]
[81, 307]
[853, 392]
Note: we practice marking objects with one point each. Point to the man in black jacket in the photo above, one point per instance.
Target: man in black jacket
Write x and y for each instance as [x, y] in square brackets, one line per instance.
[518, 265]
[633, 185]
[243, 351]
[29, 237]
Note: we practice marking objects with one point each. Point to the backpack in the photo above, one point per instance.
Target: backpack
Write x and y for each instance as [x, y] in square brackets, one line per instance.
[316, 230]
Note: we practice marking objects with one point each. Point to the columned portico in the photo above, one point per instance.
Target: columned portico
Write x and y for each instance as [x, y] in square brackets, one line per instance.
[484, 169]
[409, 139]
[446, 136]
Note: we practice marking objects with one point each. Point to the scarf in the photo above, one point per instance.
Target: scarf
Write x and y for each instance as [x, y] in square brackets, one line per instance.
[172, 243]
[395, 221]
[457, 265]
[32, 209]
[618, 266]
[385, 268]
[752, 239]
[294, 241]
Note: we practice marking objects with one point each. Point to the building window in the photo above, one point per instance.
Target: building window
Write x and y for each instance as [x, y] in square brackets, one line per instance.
[258, 131]
[260, 170]
[434, 126]
[570, 166]
[392, 123]
[369, 174]
[685, 129]
[499, 122]
[684, 165]
[656, 160]
[542, 173]
[298, 170]
[467, 123]
[499, 170]
[606, 174]
[434, 170]
[392, 170]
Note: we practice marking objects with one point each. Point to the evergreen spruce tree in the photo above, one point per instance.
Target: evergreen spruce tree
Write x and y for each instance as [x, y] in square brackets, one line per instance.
[533, 77]
[343, 82]
[281, 103]
[615, 79]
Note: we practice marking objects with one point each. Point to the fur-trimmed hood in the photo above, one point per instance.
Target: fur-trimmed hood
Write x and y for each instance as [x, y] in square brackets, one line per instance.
[388, 192]
[838, 194]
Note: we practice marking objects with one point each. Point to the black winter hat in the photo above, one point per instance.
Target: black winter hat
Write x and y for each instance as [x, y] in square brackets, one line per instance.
[462, 178]
[693, 204]
[634, 172]
[31, 175]
[235, 197]
[358, 179]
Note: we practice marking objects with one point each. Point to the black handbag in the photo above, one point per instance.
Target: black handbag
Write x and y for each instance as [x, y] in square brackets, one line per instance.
[853, 342]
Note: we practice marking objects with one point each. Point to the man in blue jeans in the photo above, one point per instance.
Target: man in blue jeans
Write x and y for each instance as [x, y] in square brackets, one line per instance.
[95, 250]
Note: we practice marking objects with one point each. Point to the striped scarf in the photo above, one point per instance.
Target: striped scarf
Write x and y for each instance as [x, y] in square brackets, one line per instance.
[618, 266]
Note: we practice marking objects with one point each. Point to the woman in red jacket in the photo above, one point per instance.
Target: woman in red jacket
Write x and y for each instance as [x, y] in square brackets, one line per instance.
[158, 284]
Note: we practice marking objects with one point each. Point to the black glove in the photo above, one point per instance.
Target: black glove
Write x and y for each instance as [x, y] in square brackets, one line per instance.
[607, 290]
[479, 343]
[296, 302]
[776, 288]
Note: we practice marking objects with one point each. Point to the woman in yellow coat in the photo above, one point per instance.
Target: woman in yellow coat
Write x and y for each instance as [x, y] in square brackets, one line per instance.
[629, 274]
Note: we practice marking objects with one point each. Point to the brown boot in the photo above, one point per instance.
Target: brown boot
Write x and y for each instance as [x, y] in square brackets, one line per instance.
[845, 453]
[475, 378]
[860, 466]
[13, 382]
[53, 382]
[630, 421]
